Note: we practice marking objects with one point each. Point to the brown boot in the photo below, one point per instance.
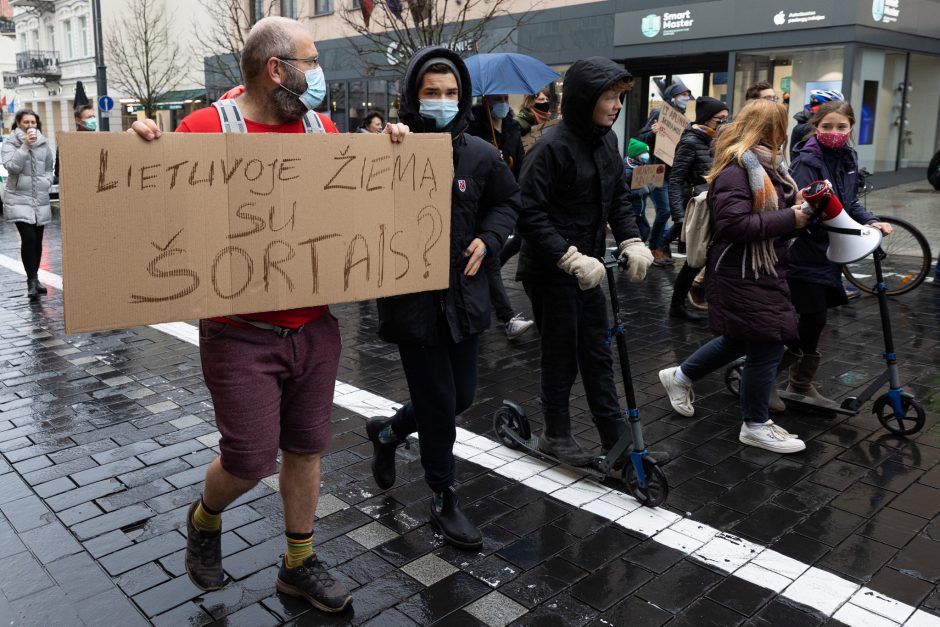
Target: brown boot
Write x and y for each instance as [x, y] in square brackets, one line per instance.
[801, 377]
[775, 403]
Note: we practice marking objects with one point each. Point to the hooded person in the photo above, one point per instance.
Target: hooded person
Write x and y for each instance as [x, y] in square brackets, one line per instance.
[676, 95]
[573, 186]
[437, 332]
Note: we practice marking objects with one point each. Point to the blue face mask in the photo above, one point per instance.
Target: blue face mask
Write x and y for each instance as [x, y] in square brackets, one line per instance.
[644, 158]
[500, 110]
[316, 86]
[91, 124]
[441, 111]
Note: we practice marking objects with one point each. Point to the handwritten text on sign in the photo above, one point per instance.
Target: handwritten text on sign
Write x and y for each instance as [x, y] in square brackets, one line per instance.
[644, 175]
[671, 125]
[201, 225]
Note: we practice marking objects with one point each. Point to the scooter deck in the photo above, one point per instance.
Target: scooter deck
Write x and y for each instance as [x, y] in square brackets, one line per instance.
[531, 447]
[815, 404]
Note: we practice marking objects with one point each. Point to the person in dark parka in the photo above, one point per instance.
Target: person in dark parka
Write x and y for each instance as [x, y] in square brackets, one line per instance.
[690, 165]
[437, 332]
[753, 209]
[816, 282]
[573, 187]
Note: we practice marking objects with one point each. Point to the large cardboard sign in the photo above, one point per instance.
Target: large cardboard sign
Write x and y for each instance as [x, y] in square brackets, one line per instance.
[201, 225]
[671, 125]
[644, 175]
[536, 133]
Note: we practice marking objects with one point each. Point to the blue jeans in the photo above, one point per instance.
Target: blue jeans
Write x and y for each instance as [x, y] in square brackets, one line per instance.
[639, 210]
[757, 376]
[660, 196]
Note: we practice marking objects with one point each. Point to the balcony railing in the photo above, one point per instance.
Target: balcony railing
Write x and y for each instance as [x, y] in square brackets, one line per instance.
[46, 6]
[42, 64]
[10, 81]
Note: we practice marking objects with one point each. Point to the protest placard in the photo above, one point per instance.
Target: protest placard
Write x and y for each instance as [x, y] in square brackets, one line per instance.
[202, 225]
[671, 125]
[648, 175]
[535, 133]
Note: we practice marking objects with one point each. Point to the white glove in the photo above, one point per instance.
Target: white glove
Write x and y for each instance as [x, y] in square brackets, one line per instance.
[587, 270]
[640, 258]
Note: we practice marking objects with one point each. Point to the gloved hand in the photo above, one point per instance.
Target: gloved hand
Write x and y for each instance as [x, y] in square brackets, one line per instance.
[587, 270]
[640, 258]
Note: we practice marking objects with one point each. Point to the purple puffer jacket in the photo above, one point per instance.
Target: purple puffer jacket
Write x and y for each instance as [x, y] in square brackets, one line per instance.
[741, 306]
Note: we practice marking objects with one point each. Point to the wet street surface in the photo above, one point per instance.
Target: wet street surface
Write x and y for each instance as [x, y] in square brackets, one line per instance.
[105, 438]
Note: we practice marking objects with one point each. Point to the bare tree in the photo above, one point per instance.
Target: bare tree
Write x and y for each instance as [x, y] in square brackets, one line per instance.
[397, 28]
[144, 62]
[221, 46]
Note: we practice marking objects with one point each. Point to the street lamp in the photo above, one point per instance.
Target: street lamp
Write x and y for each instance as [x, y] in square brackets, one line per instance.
[101, 76]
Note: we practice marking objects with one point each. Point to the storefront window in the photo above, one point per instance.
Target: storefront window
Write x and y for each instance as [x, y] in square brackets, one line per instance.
[338, 105]
[921, 115]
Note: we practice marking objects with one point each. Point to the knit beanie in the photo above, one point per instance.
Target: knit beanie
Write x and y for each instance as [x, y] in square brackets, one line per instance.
[706, 108]
[636, 148]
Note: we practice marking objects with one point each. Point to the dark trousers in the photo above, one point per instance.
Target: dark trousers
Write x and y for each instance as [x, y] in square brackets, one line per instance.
[498, 296]
[442, 380]
[757, 376]
[512, 246]
[573, 325]
[30, 247]
[683, 284]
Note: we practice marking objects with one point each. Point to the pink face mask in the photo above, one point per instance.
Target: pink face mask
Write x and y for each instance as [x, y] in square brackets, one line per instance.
[832, 140]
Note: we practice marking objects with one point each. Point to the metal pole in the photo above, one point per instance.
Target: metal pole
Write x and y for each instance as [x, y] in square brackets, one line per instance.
[101, 75]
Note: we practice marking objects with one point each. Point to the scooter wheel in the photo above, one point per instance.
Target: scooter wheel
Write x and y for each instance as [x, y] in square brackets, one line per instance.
[733, 378]
[910, 422]
[657, 487]
[507, 419]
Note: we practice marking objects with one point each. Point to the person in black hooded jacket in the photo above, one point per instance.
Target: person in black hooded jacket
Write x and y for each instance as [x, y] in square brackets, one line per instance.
[437, 332]
[573, 186]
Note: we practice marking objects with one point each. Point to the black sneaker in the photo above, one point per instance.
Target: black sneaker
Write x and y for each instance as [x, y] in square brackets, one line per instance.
[312, 581]
[383, 454]
[203, 555]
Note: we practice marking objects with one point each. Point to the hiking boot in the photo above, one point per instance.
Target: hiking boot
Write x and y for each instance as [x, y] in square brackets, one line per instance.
[203, 555]
[383, 454]
[662, 258]
[312, 581]
[770, 437]
[680, 395]
[517, 326]
[454, 524]
[566, 449]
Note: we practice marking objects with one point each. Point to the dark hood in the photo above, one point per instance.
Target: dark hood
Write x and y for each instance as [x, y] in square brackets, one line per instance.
[802, 116]
[585, 81]
[408, 113]
[674, 90]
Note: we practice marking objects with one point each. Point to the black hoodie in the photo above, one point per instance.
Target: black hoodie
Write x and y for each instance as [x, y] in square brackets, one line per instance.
[484, 204]
[572, 180]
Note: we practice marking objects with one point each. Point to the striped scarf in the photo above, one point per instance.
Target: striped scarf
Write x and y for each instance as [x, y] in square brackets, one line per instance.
[764, 198]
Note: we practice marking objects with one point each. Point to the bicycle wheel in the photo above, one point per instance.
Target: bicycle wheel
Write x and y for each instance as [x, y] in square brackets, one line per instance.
[905, 261]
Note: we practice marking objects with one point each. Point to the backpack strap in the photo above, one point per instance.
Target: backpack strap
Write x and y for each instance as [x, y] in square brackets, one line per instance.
[313, 123]
[231, 116]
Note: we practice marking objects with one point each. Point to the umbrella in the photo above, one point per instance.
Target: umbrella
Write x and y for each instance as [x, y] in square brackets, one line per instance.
[80, 98]
[508, 73]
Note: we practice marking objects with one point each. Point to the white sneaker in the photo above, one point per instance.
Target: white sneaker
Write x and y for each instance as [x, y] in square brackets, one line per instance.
[517, 326]
[770, 437]
[680, 395]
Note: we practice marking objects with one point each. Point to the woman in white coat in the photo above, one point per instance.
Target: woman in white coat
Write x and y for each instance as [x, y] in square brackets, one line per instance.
[28, 159]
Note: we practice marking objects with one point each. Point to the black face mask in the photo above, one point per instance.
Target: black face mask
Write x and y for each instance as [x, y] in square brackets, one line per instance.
[542, 106]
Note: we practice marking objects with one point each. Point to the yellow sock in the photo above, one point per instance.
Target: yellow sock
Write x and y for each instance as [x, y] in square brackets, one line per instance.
[299, 548]
[205, 520]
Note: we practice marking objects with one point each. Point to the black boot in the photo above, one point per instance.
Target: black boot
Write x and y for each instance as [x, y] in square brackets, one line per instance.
[566, 449]
[41, 288]
[454, 524]
[383, 454]
[680, 311]
[31, 289]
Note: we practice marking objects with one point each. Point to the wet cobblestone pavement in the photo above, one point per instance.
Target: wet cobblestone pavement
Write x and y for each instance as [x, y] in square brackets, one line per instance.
[105, 438]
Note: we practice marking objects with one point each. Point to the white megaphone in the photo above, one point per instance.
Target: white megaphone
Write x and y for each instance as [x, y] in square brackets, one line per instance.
[849, 241]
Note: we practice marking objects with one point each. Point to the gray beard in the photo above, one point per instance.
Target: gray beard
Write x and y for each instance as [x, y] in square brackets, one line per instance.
[288, 106]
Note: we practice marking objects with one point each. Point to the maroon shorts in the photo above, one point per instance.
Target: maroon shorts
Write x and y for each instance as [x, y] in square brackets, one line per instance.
[269, 392]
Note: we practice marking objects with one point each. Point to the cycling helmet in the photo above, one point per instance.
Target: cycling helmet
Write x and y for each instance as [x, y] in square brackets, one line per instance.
[819, 96]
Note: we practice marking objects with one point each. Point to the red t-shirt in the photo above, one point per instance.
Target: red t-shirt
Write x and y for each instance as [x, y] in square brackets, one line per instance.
[207, 121]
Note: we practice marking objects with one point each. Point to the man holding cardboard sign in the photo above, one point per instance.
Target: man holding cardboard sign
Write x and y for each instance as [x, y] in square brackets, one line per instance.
[271, 375]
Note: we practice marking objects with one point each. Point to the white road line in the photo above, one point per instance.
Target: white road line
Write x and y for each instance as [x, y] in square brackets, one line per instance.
[827, 593]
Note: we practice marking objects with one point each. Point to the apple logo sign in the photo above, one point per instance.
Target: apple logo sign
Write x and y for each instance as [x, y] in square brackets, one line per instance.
[780, 18]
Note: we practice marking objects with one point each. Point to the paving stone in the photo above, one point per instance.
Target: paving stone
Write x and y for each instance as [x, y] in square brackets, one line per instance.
[106, 471]
[429, 569]
[26, 513]
[47, 607]
[21, 576]
[83, 494]
[495, 609]
[169, 452]
[118, 519]
[79, 577]
[148, 474]
[190, 614]
[110, 608]
[241, 594]
[134, 495]
[141, 578]
[142, 552]
[50, 542]
[166, 596]
[188, 477]
[123, 452]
